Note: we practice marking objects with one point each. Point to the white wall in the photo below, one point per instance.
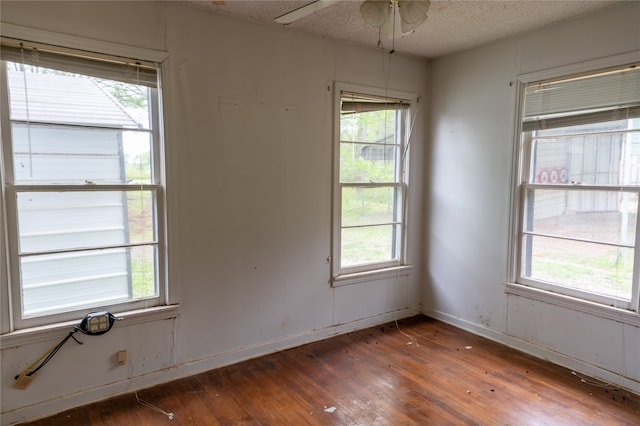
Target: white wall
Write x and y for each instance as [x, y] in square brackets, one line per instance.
[249, 202]
[471, 136]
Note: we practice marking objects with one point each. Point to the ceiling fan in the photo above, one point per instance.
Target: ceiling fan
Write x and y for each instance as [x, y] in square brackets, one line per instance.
[393, 17]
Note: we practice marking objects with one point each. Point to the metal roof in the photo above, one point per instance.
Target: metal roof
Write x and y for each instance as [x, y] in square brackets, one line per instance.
[61, 99]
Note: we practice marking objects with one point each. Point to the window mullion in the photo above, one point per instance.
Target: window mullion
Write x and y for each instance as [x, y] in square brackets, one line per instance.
[369, 225]
[94, 248]
[82, 188]
[81, 126]
[582, 240]
[581, 187]
[371, 184]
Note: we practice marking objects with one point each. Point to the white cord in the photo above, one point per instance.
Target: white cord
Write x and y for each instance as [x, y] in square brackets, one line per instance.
[413, 339]
[154, 408]
[587, 381]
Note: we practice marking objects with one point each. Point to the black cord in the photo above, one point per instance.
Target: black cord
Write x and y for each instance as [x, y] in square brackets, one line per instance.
[84, 328]
[54, 351]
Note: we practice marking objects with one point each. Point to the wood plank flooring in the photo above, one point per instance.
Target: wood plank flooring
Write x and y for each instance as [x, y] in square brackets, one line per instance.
[420, 371]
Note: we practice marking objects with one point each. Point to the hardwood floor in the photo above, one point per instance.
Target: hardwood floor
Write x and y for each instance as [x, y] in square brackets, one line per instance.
[424, 372]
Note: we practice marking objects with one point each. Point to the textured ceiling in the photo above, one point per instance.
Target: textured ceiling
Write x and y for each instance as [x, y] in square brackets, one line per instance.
[452, 25]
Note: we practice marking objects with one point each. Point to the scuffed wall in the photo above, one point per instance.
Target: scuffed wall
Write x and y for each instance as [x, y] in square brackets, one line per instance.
[248, 129]
[473, 112]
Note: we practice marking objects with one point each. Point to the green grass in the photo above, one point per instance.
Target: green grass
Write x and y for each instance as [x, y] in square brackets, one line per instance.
[143, 278]
[139, 210]
[366, 245]
[587, 266]
[141, 230]
[609, 275]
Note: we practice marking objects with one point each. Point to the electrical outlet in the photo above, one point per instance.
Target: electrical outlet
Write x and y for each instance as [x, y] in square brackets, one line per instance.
[98, 322]
[23, 381]
[121, 356]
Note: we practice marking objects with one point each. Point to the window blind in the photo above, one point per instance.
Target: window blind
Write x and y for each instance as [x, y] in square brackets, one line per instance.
[69, 60]
[352, 103]
[607, 96]
[580, 119]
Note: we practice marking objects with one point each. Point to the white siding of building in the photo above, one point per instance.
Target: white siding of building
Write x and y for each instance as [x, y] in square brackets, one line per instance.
[59, 139]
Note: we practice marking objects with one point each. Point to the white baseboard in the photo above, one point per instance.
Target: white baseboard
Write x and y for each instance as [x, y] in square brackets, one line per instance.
[558, 358]
[48, 408]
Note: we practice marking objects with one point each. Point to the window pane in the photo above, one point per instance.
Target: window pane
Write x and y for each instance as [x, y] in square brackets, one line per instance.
[605, 216]
[372, 137]
[137, 157]
[143, 271]
[140, 216]
[571, 156]
[369, 244]
[375, 127]
[81, 124]
[597, 127]
[66, 281]
[365, 206]
[578, 131]
[77, 155]
[589, 267]
[78, 219]
[368, 163]
[55, 96]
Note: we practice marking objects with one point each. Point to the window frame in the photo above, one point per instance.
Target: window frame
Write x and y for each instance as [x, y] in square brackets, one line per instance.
[516, 283]
[11, 319]
[364, 272]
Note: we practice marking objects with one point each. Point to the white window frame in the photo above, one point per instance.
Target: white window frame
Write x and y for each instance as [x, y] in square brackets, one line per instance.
[140, 310]
[516, 284]
[360, 273]
[5, 302]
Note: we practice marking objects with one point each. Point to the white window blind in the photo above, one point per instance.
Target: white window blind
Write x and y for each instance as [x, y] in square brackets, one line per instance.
[353, 103]
[108, 67]
[612, 95]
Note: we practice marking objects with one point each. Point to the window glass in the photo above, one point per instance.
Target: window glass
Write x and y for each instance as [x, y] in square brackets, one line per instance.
[587, 154]
[606, 216]
[368, 245]
[600, 269]
[372, 159]
[82, 184]
[80, 219]
[580, 198]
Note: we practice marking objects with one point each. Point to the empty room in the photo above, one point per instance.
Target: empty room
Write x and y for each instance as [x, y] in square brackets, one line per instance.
[319, 212]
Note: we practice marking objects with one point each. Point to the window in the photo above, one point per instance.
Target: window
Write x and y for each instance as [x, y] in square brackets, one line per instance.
[579, 186]
[370, 200]
[82, 182]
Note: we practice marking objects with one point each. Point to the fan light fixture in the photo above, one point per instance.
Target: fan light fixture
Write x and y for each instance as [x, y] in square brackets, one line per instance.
[395, 18]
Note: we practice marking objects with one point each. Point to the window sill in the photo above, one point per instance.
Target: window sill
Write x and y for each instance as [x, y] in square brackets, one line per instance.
[609, 312]
[377, 274]
[42, 333]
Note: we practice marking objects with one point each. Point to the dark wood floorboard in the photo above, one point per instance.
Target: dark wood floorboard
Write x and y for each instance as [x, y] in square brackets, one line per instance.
[422, 372]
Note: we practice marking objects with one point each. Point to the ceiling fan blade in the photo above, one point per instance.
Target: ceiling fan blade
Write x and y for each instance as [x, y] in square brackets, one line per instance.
[303, 11]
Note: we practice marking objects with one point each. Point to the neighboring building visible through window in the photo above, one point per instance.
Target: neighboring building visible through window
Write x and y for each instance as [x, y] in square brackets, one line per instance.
[371, 192]
[580, 150]
[80, 151]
